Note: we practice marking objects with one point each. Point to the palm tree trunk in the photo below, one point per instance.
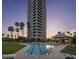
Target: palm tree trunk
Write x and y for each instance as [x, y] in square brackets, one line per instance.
[71, 41]
[17, 34]
[11, 34]
[23, 33]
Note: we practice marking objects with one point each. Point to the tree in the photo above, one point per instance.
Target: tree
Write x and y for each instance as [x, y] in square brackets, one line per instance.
[17, 24]
[3, 35]
[71, 34]
[17, 29]
[74, 37]
[59, 38]
[7, 35]
[74, 33]
[11, 29]
[22, 27]
[70, 37]
[68, 32]
[15, 36]
[59, 32]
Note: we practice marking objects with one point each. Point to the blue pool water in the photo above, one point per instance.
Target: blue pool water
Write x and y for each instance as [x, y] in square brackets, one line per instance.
[36, 49]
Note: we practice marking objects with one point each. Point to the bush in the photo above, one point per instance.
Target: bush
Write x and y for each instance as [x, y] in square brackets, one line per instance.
[7, 39]
[21, 39]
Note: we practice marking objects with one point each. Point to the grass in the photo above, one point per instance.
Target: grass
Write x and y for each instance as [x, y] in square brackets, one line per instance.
[10, 47]
[70, 50]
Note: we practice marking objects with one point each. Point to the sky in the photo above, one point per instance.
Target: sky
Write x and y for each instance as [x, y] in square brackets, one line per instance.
[61, 15]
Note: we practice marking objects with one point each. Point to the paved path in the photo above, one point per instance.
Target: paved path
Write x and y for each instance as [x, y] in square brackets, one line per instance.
[55, 54]
[22, 51]
[58, 48]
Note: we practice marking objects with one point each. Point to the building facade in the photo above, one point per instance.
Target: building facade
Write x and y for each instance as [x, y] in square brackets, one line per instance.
[36, 23]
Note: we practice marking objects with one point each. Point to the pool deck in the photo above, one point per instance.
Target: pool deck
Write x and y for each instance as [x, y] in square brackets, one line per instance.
[53, 53]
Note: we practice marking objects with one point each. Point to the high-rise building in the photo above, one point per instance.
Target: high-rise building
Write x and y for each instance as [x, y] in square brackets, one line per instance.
[36, 20]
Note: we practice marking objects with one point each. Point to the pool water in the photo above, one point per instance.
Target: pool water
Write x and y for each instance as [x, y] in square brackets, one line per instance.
[36, 49]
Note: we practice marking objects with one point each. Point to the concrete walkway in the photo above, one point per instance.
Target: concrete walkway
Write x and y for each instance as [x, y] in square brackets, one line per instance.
[55, 52]
[22, 51]
[58, 48]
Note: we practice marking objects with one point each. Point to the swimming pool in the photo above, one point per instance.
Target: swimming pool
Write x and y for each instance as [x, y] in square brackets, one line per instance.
[36, 49]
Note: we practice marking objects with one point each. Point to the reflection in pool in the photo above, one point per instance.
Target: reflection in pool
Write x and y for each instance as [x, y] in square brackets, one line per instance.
[49, 46]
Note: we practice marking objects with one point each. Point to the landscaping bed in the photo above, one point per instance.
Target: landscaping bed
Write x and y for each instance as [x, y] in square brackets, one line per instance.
[70, 50]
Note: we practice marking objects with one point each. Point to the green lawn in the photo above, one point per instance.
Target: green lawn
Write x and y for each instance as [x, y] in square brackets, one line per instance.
[70, 50]
[10, 47]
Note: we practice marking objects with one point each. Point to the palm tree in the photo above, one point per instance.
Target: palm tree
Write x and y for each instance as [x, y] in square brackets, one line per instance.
[3, 35]
[17, 24]
[17, 29]
[70, 36]
[68, 32]
[74, 33]
[15, 36]
[22, 27]
[7, 35]
[12, 36]
[59, 32]
[74, 37]
[11, 29]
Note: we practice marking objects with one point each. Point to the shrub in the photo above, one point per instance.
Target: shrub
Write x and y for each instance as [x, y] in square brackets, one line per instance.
[21, 39]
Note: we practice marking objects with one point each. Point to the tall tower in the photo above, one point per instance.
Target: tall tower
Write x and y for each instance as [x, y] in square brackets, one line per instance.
[36, 23]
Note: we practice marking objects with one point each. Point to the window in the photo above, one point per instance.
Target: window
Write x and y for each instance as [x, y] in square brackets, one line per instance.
[34, 23]
[34, 20]
[34, 26]
[39, 35]
[34, 29]
[39, 29]
[39, 23]
[34, 6]
[39, 12]
[34, 14]
[34, 11]
[39, 26]
[40, 15]
[34, 17]
[33, 35]
[39, 32]
[34, 32]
